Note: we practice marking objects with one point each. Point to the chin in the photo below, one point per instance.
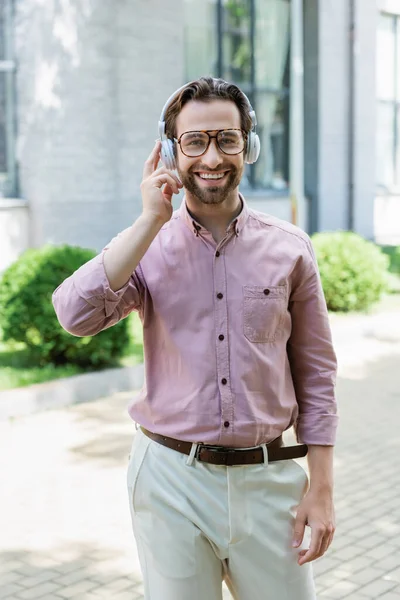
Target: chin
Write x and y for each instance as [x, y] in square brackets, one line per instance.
[213, 195]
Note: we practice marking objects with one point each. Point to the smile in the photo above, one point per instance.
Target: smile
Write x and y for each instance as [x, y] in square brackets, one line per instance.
[212, 175]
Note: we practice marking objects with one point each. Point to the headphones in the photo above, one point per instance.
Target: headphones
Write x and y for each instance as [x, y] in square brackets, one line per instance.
[167, 146]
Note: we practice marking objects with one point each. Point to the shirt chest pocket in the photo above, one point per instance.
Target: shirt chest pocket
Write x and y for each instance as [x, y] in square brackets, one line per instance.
[264, 310]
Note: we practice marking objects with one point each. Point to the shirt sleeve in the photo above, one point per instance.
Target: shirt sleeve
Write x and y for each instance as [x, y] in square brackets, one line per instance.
[311, 355]
[85, 304]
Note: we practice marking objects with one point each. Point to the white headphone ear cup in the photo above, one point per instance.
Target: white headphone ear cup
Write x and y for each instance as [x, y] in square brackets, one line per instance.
[253, 148]
[167, 154]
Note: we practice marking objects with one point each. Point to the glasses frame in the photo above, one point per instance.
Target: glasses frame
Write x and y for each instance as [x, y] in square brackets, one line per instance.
[211, 137]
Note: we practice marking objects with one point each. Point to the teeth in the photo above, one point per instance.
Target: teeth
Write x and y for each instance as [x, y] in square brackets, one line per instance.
[211, 176]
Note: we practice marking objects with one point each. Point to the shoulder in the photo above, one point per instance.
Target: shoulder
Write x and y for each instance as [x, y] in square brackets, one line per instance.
[283, 229]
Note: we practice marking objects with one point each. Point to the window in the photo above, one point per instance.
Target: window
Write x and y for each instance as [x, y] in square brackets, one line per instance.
[247, 42]
[7, 68]
[388, 93]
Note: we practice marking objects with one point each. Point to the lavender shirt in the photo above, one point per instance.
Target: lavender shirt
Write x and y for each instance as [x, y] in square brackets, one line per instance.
[237, 340]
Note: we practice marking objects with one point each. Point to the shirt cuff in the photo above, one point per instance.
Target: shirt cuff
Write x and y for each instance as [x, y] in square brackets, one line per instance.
[316, 430]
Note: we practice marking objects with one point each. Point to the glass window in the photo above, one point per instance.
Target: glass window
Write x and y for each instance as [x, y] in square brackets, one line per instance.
[386, 58]
[2, 38]
[3, 124]
[388, 94]
[385, 138]
[247, 42]
[236, 42]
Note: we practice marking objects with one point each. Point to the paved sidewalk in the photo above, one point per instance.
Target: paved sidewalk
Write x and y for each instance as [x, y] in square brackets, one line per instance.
[65, 528]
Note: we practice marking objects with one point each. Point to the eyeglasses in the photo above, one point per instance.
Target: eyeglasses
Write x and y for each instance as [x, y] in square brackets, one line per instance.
[196, 143]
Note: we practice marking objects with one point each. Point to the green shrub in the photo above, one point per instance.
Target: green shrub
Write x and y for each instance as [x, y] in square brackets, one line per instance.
[353, 270]
[393, 252]
[27, 314]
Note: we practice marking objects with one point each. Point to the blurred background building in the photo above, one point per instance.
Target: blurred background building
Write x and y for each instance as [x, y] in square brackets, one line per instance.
[83, 82]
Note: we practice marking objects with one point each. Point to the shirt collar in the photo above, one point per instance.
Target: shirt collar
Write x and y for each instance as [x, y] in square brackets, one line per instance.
[236, 224]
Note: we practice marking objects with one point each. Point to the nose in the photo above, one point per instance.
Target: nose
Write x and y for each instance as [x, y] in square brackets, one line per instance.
[213, 157]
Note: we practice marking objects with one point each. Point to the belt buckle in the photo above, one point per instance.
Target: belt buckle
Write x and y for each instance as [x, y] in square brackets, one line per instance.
[218, 449]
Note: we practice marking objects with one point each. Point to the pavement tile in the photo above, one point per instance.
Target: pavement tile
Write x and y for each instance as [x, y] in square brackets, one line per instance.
[11, 577]
[120, 584]
[341, 541]
[71, 578]
[324, 564]
[381, 551]
[356, 596]
[9, 589]
[389, 562]
[78, 590]
[366, 576]
[38, 578]
[340, 589]
[357, 564]
[377, 588]
[393, 576]
[350, 552]
[372, 541]
[10, 565]
[38, 591]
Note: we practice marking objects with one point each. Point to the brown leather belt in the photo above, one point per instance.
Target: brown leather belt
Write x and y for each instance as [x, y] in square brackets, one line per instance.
[221, 455]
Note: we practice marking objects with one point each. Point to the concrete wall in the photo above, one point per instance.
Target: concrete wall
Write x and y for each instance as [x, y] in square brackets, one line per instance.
[326, 76]
[364, 149]
[92, 79]
[339, 149]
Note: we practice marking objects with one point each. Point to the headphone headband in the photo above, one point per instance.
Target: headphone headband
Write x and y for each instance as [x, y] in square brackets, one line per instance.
[161, 122]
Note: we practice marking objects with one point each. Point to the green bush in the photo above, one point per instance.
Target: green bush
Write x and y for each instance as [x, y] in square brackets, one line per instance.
[27, 314]
[393, 252]
[353, 270]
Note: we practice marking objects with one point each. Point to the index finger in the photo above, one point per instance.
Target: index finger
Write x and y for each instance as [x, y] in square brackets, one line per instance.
[315, 545]
[152, 162]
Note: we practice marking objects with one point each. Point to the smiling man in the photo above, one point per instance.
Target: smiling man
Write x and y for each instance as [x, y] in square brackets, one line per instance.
[237, 350]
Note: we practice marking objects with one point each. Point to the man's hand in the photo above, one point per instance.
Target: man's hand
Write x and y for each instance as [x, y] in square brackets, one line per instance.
[315, 510]
[158, 187]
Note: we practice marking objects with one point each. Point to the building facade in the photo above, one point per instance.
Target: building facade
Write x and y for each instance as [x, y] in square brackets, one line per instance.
[83, 82]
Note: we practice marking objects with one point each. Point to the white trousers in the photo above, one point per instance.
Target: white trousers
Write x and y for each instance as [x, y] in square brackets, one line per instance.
[199, 524]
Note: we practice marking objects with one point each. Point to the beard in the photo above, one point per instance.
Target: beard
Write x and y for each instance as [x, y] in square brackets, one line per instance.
[211, 195]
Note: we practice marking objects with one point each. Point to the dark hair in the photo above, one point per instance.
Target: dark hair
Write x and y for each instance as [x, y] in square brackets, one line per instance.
[206, 89]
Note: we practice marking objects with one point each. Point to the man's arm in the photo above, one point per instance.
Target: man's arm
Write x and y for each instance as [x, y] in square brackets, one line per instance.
[122, 258]
[107, 288]
[313, 366]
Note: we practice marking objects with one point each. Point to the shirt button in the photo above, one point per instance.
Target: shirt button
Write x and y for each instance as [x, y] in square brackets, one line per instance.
[224, 381]
[221, 337]
[266, 292]
[226, 424]
[220, 296]
[217, 254]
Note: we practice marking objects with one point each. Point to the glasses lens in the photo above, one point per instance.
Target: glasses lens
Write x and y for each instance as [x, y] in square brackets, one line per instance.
[230, 141]
[194, 143]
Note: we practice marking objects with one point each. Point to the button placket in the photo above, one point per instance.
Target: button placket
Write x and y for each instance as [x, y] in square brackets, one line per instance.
[222, 347]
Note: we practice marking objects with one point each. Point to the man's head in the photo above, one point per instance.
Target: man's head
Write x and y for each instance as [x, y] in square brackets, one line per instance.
[210, 122]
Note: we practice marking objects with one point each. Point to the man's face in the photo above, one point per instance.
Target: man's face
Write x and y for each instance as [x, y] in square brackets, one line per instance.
[209, 116]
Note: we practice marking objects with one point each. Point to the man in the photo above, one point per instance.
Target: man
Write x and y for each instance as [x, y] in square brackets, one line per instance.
[237, 349]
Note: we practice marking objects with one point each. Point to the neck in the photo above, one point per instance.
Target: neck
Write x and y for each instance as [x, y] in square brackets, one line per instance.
[215, 217]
